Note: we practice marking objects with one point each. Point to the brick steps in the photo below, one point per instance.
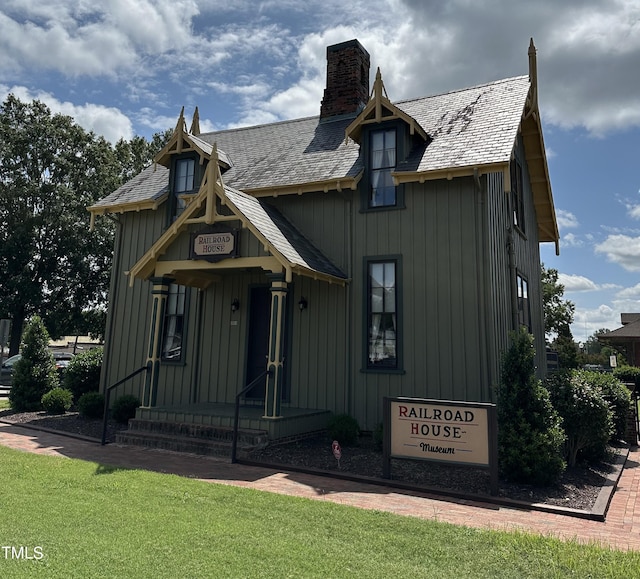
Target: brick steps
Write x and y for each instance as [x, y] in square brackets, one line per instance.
[192, 438]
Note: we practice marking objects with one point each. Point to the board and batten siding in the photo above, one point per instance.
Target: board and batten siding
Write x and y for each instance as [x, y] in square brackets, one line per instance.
[444, 347]
[527, 262]
[128, 317]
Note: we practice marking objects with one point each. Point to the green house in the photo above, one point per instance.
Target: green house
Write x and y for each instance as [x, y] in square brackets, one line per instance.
[379, 249]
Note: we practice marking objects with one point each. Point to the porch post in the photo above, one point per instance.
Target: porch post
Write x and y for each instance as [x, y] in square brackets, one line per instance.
[275, 356]
[159, 291]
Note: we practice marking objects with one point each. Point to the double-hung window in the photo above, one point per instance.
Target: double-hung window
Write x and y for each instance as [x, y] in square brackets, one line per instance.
[183, 183]
[382, 161]
[524, 311]
[517, 195]
[174, 323]
[382, 315]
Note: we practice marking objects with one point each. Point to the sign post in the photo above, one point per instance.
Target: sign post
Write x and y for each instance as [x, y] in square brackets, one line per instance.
[452, 432]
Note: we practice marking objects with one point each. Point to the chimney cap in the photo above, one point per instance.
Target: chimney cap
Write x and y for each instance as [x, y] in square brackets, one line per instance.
[347, 44]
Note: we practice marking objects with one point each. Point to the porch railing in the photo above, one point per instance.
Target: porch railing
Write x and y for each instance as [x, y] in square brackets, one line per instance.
[236, 417]
[107, 395]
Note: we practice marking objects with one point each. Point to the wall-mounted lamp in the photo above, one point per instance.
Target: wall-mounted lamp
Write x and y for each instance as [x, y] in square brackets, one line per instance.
[302, 304]
[235, 305]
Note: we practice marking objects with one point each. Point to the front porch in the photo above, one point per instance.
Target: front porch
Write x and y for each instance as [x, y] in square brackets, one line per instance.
[293, 422]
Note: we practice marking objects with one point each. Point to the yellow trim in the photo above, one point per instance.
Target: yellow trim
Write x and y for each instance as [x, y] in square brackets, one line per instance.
[310, 187]
[169, 268]
[372, 113]
[448, 173]
[127, 207]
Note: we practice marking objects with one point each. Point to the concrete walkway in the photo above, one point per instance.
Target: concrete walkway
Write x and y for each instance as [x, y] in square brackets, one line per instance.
[621, 530]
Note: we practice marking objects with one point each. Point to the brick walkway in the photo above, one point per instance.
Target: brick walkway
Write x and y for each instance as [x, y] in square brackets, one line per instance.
[621, 530]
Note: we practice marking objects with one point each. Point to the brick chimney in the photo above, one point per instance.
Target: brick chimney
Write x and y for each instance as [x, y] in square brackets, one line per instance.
[347, 89]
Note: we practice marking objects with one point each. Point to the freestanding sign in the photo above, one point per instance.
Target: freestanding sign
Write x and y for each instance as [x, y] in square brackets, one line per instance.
[459, 433]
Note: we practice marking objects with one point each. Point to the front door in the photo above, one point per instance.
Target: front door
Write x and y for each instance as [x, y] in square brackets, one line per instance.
[258, 347]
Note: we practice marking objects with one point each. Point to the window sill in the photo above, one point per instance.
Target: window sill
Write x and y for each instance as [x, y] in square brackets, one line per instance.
[396, 207]
[382, 370]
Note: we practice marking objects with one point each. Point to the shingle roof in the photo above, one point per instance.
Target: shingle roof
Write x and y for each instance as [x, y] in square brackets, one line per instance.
[282, 235]
[148, 185]
[471, 127]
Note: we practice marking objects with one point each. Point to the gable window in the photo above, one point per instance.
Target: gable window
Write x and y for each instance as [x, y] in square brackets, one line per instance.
[382, 315]
[382, 161]
[517, 195]
[524, 311]
[174, 324]
[183, 183]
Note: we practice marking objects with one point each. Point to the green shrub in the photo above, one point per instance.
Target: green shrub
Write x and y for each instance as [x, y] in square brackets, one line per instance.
[618, 397]
[57, 401]
[587, 419]
[628, 374]
[124, 408]
[91, 405]
[35, 373]
[530, 435]
[82, 375]
[344, 429]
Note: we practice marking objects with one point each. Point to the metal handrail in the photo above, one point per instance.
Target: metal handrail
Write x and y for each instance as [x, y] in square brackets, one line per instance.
[236, 418]
[107, 395]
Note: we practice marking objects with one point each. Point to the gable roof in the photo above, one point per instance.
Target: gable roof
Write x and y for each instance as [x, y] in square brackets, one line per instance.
[472, 132]
[293, 251]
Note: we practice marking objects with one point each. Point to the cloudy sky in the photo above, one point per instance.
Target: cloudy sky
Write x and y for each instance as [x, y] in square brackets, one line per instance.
[126, 67]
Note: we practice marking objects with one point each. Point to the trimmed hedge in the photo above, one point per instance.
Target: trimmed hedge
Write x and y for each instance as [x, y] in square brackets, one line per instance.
[57, 401]
[587, 418]
[344, 429]
[124, 408]
[91, 405]
[82, 375]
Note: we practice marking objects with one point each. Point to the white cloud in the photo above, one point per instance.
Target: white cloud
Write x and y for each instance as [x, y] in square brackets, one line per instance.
[588, 53]
[576, 283]
[572, 240]
[629, 293]
[566, 219]
[588, 321]
[623, 250]
[634, 211]
[109, 122]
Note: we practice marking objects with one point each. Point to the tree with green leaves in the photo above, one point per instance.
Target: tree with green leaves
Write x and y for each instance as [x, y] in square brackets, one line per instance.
[51, 170]
[530, 434]
[35, 373]
[558, 312]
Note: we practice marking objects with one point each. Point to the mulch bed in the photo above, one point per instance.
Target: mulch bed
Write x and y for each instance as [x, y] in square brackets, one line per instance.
[578, 488]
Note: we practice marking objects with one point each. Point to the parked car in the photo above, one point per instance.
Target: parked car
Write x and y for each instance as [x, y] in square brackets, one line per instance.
[61, 359]
[6, 372]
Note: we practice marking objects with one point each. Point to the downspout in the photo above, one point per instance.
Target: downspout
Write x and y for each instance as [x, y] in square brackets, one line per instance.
[349, 309]
[486, 345]
[113, 293]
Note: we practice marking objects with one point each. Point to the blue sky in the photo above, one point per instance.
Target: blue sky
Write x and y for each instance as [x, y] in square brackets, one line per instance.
[126, 67]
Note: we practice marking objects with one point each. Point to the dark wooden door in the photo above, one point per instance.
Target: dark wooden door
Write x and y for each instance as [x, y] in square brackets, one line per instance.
[259, 314]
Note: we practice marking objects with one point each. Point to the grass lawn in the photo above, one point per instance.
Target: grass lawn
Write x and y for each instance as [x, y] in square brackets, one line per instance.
[82, 519]
[4, 404]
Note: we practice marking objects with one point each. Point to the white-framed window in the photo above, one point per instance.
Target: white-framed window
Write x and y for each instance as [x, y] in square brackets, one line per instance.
[382, 314]
[174, 318]
[524, 310]
[517, 195]
[183, 183]
[382, 161]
